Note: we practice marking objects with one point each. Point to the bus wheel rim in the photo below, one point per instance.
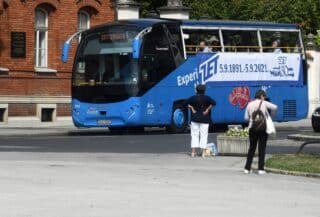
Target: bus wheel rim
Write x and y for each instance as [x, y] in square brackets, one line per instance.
[178, 118]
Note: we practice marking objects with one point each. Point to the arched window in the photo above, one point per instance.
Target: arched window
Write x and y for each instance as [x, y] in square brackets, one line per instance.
[83, 20]
[41, 38]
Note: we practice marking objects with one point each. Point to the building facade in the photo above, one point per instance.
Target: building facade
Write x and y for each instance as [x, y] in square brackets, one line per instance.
[34, 83]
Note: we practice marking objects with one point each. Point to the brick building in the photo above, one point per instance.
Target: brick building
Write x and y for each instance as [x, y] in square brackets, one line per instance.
[34, 83]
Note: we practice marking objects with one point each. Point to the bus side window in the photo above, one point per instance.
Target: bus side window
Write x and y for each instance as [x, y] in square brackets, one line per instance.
[240, 41]
[163, 55]
[287, 42]
[156, 54]
[147, 59]
[193, 37]
[148, 75]
[173, 33]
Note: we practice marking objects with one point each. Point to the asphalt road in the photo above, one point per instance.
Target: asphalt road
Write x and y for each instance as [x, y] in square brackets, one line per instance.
[146, 175]
[148, 142]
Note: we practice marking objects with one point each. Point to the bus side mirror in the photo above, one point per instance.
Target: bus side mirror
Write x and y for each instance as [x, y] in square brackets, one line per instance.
[66, 46]
[136, 43]
[65, 52]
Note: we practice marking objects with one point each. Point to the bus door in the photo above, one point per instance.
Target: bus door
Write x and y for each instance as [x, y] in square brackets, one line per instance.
[161, 54]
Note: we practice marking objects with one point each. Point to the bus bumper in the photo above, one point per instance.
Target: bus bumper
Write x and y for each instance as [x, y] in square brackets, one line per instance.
[126, 113]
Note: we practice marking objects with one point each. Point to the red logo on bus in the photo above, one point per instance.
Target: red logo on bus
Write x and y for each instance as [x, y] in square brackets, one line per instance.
[240, 96]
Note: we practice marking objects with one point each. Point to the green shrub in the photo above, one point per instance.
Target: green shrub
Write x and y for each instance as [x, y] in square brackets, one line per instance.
[236, 132]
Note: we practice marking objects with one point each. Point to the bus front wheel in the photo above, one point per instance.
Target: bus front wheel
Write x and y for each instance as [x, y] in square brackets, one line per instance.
[179, 120]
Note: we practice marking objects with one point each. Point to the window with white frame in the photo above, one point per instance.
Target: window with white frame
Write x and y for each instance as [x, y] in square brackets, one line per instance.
[83, 24]
[83, 20]
[41, 38]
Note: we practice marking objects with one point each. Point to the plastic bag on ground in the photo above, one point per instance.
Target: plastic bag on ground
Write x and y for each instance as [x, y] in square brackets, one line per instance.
[213, 148]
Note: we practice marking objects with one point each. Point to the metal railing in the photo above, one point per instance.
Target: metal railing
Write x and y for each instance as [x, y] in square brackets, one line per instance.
[193, 49]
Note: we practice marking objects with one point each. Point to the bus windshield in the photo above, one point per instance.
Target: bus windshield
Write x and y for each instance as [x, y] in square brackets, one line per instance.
[105, 58]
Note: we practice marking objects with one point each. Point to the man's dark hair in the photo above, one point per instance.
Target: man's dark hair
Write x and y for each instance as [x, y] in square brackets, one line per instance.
[201, 88]
[260, 93]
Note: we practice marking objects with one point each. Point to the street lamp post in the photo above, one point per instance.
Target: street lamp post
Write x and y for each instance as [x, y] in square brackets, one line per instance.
[310, 43]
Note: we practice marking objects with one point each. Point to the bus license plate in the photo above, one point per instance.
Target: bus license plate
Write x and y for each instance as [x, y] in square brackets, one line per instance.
[104, 122]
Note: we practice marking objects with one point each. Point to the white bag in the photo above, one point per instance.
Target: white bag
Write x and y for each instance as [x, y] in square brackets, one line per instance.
[270, 125]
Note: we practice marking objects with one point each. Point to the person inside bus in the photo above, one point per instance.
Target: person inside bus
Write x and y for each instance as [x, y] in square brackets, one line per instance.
[259, 137]
[200, 105]
[275, 46]
[203, 47]
[215, 44]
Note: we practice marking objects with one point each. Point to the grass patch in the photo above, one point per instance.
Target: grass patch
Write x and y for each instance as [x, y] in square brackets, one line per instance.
[304, 162]
[310, 133]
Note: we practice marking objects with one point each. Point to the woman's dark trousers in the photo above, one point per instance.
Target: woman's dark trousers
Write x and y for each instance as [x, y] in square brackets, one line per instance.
[255, 138]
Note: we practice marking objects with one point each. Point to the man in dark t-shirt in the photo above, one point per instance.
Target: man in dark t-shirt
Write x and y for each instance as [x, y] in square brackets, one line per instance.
[200, 105]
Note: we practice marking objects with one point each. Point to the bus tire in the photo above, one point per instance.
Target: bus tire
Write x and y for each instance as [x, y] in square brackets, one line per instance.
[315, 124]
[179, 119]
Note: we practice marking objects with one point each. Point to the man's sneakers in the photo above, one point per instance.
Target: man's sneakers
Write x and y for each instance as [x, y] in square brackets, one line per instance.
[260, 172]
[246, 171]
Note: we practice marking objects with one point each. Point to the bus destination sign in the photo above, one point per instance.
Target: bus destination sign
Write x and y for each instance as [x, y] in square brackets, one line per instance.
[112, 36]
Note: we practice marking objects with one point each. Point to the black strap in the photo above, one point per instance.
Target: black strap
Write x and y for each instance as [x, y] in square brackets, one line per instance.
[259, 105]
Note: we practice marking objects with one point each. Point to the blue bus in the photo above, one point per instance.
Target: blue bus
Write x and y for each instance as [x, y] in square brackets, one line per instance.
[138, 73]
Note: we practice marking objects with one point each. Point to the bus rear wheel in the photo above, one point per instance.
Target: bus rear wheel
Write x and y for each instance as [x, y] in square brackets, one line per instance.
[179, 120]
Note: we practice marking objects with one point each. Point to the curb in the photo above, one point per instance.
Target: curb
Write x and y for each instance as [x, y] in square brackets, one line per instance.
[293, 173]
[287, 172]
[302, 137]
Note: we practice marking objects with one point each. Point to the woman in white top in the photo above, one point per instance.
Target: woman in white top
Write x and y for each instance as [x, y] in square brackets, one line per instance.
[258, 137]
[275, 46]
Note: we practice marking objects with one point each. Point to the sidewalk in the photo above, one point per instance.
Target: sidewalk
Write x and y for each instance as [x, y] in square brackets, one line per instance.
[301, 124]
[34, 127]
[65, 127]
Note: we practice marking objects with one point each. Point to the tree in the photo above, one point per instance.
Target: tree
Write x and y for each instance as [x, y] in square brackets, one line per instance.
[150, 5]
[306, 13]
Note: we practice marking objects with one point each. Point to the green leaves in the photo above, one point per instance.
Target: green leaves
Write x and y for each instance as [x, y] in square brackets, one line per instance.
[236, 132]
[150, 5]
[306, 13]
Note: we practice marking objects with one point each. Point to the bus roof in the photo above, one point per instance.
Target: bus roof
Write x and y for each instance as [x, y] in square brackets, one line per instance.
[145, 23]
[139, 23]
[239, 24]
[149, 22]
[217, 23]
